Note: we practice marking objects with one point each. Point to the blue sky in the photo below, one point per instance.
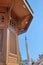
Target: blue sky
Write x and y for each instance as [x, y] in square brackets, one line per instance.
[34, 33]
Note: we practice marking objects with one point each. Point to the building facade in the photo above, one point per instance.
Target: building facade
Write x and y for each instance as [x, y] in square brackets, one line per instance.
[39, 61]
[15, 17]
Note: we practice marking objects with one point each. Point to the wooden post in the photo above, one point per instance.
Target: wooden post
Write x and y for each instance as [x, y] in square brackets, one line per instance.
[18, 51]
[10, 56]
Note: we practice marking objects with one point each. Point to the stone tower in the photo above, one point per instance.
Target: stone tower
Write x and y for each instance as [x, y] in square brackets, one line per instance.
[27, 51]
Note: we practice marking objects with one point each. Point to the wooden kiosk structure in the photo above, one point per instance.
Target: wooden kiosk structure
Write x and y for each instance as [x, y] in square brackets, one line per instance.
[15, 17]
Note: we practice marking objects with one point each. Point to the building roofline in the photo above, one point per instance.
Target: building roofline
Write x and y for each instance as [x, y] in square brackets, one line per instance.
[28, 6]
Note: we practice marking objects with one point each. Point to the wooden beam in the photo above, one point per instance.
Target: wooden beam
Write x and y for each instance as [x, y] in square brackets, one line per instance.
[5, 3]
[12, 4]
[2, 9]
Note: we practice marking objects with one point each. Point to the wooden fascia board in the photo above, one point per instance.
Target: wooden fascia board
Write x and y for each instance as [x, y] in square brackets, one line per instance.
[28, 7]
[27, 26]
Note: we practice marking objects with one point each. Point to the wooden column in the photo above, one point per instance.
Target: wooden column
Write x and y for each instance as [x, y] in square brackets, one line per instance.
[10, 47]
[12, 51]
[18, 51]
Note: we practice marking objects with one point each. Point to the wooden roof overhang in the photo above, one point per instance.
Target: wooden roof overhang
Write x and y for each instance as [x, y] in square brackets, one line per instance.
[21, 13]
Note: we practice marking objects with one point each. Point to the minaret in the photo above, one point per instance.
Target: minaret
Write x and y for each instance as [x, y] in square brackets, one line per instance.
[28, 55]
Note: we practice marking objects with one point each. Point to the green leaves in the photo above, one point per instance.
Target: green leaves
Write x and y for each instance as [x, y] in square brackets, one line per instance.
[20, 60]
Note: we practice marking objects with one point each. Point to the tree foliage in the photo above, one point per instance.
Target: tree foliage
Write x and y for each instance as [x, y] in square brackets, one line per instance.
[20, 60]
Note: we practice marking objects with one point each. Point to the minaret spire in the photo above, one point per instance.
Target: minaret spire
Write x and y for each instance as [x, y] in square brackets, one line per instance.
[28, 55]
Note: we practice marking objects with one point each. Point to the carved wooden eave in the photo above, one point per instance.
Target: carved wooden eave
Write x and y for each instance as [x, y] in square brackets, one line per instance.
[22, 14]
[19, 14]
